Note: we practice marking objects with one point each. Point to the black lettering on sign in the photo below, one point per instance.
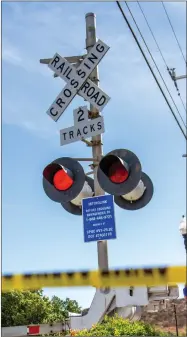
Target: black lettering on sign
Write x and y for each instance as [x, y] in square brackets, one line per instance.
[90, 91]
[84, 130]
[85, 86]
[74, 83]
[87, 65]
[78, 132]
[99, 126]
[100, 48]
[81, 73]
[95, 96]
[64, 133]
[67, 92]
[101, 101]
[61, 67]
[68, 74]
[93, 57]
[53, 113]
[71, 135]
[60, 102]
[66, 70]
[56, 60]
[80, 118]
[92, 127]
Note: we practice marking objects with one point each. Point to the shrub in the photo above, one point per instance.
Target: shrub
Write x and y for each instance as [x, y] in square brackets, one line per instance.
[117, 326]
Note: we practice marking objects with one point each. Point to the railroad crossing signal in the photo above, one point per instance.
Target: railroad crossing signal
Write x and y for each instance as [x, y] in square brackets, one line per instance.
[77, 81]
[120, 174]
[65, 182]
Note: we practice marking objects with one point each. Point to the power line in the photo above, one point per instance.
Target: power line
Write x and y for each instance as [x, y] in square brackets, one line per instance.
[155, 63]
[160, 52]
[152, 34]
[182, 101]
[174, 32]
[125, 18]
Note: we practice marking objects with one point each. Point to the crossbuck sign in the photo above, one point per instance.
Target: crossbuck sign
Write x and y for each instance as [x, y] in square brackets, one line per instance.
[77, 81]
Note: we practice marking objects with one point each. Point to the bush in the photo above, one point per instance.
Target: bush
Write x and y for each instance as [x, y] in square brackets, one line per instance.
[117, 326]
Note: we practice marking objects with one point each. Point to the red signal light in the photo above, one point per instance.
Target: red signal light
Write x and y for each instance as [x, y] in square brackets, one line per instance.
[118, 173]
[62, 181]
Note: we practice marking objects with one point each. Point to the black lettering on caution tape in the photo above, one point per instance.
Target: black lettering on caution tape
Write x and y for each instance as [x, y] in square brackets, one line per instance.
[84, 274]
[71, 274]
[162, 271]
[57, 275]
[8, 277]
[148, 271]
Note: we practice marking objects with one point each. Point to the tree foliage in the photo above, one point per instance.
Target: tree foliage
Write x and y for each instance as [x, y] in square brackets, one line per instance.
[32, 307]
[117, 326]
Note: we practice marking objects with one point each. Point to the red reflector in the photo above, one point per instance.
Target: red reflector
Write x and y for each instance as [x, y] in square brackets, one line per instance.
[62, 181]
[118, 173]
[34, 330]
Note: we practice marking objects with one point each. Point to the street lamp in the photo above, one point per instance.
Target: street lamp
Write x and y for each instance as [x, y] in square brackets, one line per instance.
[183, 231]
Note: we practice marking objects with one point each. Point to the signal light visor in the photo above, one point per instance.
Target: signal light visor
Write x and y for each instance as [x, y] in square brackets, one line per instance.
[115, 169]
[58, 176]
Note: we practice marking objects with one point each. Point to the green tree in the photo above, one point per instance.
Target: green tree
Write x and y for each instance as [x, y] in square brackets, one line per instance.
[60, 308]
[32, 307]
[23, 307]
[117, 326]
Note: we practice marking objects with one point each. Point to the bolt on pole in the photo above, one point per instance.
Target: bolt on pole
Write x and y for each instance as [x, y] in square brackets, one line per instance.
[96, 149]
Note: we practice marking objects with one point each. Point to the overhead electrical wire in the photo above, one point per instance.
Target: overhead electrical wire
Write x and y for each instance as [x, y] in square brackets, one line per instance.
[182, 101]
[152, 34]
[155, 63]
[169, 20]
[159, 50]
[150, 68]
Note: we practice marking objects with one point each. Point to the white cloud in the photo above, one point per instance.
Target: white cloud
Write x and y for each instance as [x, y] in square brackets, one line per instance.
[11, 54]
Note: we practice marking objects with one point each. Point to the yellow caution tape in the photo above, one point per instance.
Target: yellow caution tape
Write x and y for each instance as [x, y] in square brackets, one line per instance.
[99, 279]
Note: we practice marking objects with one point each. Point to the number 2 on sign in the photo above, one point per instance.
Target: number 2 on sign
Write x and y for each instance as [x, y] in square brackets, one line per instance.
[80, 115]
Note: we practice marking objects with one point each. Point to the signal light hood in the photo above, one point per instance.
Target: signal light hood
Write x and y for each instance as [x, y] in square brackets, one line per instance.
[74, 172]
[119, 172]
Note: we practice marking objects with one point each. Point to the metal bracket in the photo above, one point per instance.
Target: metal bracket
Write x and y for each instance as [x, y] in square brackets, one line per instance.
[92, 166]
[86, 159]
[89, 173]
[70, 59]
[91, 143]
[96, 142]
[92, 114]
[87, 142]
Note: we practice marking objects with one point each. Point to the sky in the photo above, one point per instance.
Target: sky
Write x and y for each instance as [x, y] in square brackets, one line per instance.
[37, 234]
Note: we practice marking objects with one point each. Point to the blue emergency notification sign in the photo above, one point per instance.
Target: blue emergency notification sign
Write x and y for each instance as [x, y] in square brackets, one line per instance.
[98, 218]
